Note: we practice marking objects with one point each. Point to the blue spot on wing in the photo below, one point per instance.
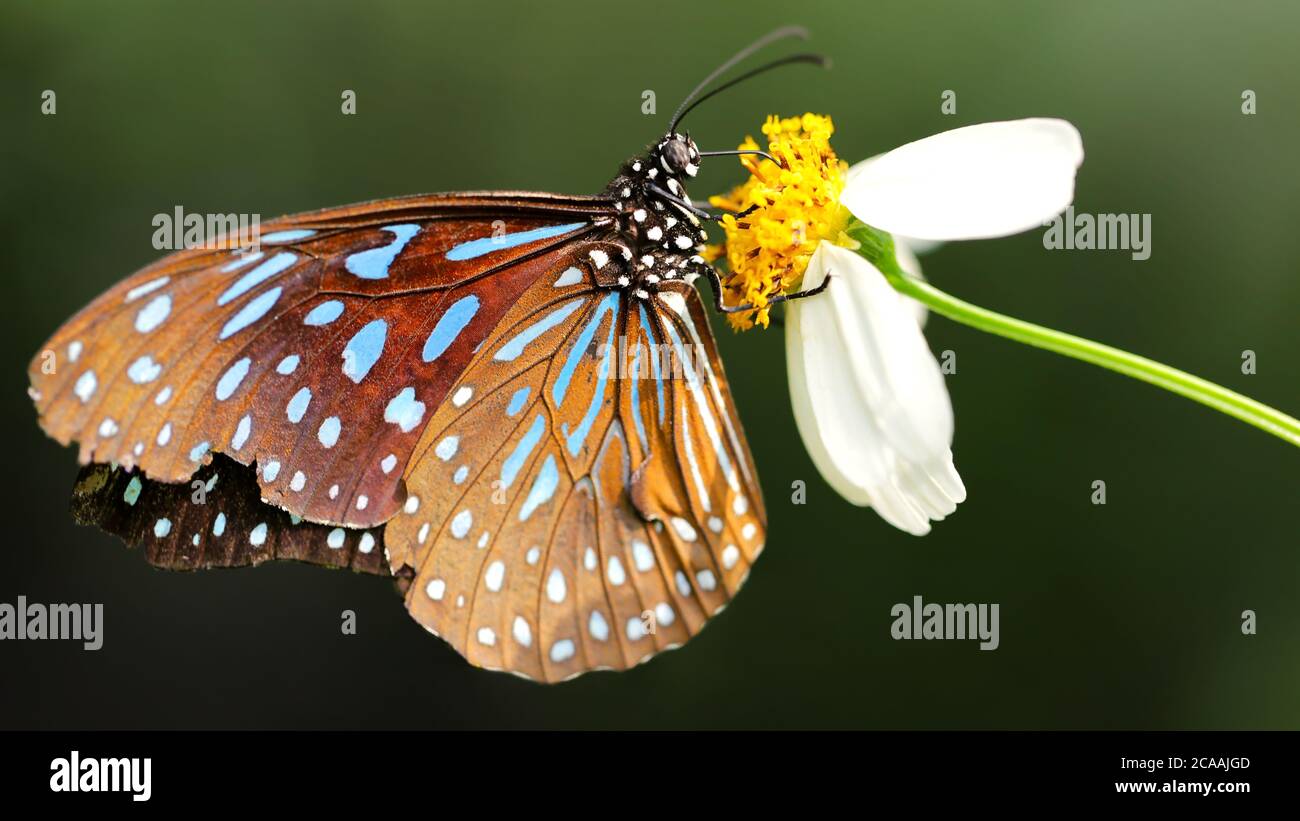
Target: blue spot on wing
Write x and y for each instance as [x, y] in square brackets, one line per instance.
[328, 433]
[364, 349]
[636, 399]
[324, 313]
[694, 382]
[486, 245]
[232, 378]
[298, 405]
[512, 349]
[579, 348]
[548, 479]
[517, 400]
[374, 263]
[241, 261]
[404, 410]
[515, 462]
[449, 326]
[654, 363]
[288, 236]
[250, 313]
[132, 492]
[257, 276]
[579, 434]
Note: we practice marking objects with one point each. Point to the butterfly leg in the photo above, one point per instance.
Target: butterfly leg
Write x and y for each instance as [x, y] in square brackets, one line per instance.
[717, 217]
[700, 204]
[676, 200]
[715, 284]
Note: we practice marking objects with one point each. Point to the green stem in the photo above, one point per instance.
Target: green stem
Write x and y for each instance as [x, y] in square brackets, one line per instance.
[1139, 367]
[1207, 393]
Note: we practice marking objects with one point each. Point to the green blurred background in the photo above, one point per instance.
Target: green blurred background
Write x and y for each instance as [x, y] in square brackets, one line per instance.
[1123, 615]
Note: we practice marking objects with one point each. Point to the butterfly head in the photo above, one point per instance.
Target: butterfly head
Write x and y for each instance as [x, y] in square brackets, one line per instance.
[658, 174]
[658, 225]
[677, 155]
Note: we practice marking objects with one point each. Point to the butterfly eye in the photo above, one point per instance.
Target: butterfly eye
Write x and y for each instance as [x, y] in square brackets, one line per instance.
[677, 156]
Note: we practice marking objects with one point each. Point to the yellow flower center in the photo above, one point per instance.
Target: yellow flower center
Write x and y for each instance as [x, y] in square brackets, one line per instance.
[796, 206]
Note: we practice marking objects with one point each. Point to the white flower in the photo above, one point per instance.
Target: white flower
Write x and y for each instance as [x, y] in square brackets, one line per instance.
[868, 395]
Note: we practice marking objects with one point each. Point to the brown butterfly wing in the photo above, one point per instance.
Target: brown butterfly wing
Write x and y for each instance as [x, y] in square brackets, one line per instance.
[206, 350]
[575, 515]
[216, 520]
[610, 533]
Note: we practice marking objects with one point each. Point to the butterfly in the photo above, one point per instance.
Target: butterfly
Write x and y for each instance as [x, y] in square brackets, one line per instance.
[511, 402]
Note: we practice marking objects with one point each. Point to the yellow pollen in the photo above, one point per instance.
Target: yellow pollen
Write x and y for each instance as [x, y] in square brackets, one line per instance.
[797, 206]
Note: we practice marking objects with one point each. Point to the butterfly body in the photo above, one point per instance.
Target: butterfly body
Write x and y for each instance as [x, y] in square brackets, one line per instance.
[516, 396]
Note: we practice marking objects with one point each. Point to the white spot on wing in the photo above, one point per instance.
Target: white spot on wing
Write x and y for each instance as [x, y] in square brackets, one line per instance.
[562, 650]
[555, 587]
[153, 314]
[85, 387]
[683, 583]
[642, 556]
[461, 524]
[571, 276]
[495, 576]
[522, 632]
[597, 626]
[684, 529]
[447, 448]
[615, 571]
[730, 555]
[664, 614]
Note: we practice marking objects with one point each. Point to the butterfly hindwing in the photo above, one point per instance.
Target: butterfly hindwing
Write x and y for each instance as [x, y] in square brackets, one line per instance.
[576, 512]
[215, 520]
[317, 358]
[718, 497]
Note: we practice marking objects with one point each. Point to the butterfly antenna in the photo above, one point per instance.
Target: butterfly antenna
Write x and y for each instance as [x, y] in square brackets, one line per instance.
[738, 152]
[815, 59]
[762, 42]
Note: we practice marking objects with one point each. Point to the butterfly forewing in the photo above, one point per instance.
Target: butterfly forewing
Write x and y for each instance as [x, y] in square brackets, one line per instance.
[318, 358]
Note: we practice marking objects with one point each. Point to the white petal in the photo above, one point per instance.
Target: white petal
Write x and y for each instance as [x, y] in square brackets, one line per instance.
[906, 249]
[987, 180]
[915, 247]
[868, 396]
